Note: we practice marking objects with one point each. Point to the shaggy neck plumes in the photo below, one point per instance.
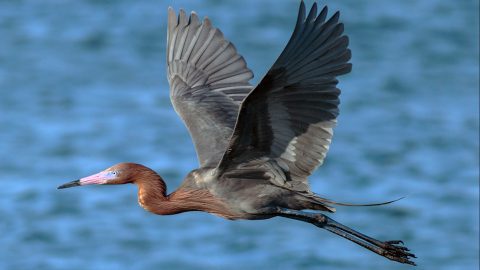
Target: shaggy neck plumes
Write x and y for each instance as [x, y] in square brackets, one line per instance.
[152, 196]
[152, 190]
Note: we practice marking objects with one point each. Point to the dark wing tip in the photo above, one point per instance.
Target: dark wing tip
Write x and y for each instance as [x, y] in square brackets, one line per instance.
[321, 16]
[301, 12]
[335, 17]
[313, 13]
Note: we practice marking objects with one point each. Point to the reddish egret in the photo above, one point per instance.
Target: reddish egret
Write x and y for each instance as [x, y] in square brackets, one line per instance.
[256, 145]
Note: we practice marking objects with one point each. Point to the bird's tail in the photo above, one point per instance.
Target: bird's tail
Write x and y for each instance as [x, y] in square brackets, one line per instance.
[326, 204]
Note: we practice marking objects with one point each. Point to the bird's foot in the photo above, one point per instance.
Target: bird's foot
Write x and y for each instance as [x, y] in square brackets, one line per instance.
[394, 250]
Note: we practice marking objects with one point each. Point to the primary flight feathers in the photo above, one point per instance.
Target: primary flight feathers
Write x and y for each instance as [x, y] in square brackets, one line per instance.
[287, 119]
[208, 80]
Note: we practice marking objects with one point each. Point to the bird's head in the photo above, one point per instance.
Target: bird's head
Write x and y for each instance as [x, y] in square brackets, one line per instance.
[121, 173]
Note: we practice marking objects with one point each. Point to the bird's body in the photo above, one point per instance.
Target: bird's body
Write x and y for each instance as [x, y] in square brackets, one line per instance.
[201, 190]
[256, 145]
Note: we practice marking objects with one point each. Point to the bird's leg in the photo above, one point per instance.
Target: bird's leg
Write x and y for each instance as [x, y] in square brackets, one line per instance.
[387, 249]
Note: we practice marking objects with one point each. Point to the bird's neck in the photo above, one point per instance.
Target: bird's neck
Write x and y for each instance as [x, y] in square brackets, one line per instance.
[152, 196]
[152, 190]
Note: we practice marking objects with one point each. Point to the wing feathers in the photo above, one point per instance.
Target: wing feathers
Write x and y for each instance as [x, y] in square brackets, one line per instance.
[288, 118]
[208, 80]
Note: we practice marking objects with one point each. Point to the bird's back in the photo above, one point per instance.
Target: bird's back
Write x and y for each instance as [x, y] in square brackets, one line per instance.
[246, 196]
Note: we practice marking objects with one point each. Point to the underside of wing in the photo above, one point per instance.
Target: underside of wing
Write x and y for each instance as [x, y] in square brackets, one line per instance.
[208, 80]
[289, 117]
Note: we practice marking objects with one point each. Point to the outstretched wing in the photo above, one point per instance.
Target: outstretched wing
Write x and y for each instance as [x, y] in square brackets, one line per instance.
[287, 120]
[208, 80]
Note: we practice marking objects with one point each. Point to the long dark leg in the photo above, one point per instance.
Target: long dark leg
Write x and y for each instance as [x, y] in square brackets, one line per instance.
[387, 249]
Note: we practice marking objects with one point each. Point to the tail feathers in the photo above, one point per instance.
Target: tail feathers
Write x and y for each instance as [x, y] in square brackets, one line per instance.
[325, 202]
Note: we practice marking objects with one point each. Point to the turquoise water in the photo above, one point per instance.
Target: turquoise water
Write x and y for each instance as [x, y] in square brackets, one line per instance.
[83, 86]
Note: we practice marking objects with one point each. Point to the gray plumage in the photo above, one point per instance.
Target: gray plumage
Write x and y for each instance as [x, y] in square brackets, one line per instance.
[284, 126]
[208, 80]
[288, 119]
[256, 146]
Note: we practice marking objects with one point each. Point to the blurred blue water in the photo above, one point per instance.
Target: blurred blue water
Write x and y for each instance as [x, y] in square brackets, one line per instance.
[83, 86]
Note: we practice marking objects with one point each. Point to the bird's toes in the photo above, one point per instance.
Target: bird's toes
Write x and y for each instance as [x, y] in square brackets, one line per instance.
[394, 242]
[398, 253]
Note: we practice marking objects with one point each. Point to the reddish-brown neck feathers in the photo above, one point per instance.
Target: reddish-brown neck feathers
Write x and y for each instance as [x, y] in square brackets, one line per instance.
[152, 196]
[151, 187]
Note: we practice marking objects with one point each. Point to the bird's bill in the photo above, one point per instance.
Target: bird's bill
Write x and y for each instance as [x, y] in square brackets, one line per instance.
[75, 183]
[95, 179]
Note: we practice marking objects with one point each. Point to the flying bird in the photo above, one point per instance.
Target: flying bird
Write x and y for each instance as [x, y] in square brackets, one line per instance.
[256, 145]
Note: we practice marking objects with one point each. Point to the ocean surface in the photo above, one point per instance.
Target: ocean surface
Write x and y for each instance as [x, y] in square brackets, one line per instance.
[83, 86]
